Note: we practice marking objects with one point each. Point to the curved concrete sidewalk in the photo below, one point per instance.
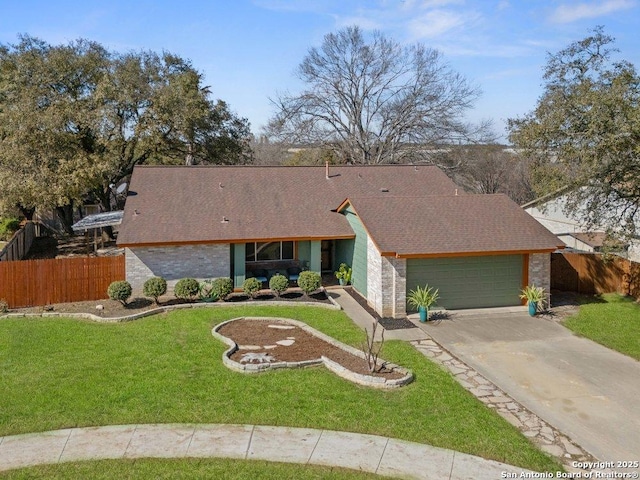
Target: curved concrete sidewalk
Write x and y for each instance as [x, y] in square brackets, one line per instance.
[369, 453]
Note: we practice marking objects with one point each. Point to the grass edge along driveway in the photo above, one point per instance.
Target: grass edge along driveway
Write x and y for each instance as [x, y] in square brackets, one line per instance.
[611, 320]
[60, 373]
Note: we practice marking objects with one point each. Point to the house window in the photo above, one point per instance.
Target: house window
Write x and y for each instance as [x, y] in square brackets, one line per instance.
[266, 251]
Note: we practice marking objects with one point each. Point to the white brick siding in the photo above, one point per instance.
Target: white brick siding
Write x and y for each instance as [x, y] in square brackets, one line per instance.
[386, 283]
[374, 276]
[176, 262]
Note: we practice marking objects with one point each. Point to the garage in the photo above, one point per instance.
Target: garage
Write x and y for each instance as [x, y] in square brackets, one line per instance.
[470, 282]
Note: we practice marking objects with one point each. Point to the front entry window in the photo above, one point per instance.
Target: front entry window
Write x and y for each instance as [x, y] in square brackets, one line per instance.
[266, 251]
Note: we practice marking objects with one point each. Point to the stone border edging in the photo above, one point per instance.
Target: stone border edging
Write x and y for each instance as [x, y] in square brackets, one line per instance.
[543, 434]
[168, 308]
[366, 380]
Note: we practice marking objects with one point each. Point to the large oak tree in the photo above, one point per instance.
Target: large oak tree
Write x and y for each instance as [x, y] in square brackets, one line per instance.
[584, 135]
[75, 119]
[373, 100]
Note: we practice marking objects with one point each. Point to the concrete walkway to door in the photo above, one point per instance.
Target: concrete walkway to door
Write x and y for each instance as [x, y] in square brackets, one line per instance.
[587, 391]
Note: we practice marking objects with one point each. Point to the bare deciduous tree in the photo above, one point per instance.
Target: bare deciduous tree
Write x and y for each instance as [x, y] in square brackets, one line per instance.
[490, 169]
[375, 101]
[372, 350]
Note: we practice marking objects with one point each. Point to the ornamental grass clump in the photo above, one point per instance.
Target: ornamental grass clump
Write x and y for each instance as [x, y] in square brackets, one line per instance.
[120, 290]
[278, 284]
[154, 287]
[309, 282]
[187, 289]
[423, 296]
[251, 286]
[206, 291]
[535, 295]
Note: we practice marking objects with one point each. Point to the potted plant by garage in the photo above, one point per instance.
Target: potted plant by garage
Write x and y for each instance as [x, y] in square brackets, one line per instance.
[344, 274]
[422, 298]
[535, 298]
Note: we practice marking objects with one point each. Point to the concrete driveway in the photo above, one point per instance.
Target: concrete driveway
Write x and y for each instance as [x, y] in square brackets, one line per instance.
[586, 391]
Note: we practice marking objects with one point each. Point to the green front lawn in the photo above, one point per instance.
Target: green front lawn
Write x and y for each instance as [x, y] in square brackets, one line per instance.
[58, 373]
[613, 322]
[183, 469]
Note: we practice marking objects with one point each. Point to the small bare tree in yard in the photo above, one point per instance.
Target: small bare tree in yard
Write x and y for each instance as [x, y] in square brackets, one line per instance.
[372, 350]
[373, 100]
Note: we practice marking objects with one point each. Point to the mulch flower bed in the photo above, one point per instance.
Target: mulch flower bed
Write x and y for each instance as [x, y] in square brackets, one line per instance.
[113, 308]
[290, 343]
[387, 323]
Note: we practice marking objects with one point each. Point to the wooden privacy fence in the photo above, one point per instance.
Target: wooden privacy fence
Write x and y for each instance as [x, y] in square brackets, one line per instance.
[20, 243]
[31, 283]
[592, 273]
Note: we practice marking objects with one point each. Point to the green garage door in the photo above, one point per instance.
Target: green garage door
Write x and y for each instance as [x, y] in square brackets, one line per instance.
[470, 282]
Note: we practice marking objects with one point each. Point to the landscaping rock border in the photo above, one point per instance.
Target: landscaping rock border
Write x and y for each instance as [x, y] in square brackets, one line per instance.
[544, 435]
[366, 380]
[168, 308]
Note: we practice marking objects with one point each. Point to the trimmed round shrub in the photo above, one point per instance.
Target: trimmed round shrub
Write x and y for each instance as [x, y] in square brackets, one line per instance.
[154, 287]
[120, 290]
[186, 288]
[309, 281]
[206, 291]
[251, 286]
[278, 284]
[222, 287]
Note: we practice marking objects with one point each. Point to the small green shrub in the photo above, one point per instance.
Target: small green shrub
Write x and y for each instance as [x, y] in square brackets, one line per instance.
[206, 291]
[251, 286]
[4, 306]
[8, 227]
[278, 284]
[154, 287]
[309, 281]
[186, 289]
[120, 290]
[222, 287]
[344, 274]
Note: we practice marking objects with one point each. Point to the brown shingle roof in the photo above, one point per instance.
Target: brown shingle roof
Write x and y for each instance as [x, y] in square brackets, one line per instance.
[172, 205]
[450, 224]
[593, 239]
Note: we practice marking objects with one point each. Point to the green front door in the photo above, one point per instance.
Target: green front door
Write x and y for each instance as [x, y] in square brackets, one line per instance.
[470, 282]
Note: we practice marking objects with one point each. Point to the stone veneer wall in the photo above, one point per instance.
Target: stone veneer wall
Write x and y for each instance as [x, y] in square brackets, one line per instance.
[386, 283]
[176, 262]
[397, 272]
[540, 271]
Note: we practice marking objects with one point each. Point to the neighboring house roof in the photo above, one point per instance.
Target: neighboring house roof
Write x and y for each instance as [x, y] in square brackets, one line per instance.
[445, 225]
[593, 239]
[200, 204]
[548, 197]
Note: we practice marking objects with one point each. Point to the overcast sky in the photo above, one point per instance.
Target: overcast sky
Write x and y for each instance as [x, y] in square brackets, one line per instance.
[249, 49]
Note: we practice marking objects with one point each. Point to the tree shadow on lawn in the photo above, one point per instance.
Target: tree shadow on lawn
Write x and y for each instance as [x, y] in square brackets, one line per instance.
[564, 299]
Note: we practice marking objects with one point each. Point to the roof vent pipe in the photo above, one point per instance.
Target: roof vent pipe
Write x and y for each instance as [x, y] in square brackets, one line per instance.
[326, 166]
